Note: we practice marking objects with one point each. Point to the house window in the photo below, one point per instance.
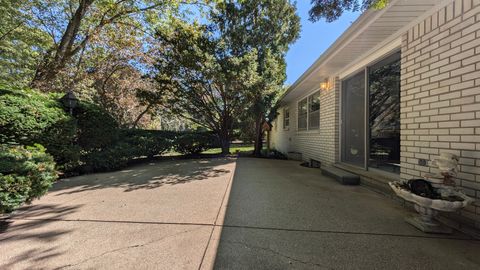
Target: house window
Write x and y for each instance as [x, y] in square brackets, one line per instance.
[309, 112]
[302, 114]
[314, 111]
[371, 116]
[286, 118]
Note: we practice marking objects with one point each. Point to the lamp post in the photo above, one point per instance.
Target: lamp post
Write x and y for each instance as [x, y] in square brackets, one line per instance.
[70, 101]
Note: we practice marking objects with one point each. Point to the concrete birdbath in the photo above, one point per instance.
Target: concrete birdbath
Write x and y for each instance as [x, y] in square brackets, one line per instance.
[433, 194]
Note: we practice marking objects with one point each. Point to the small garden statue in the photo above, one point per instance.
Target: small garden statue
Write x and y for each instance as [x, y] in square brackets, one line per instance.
[435, 193]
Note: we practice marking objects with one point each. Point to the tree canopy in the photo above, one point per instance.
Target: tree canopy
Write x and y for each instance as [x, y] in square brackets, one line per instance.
[100, 49]
[217, 63]
[331, 10]
[229, 68]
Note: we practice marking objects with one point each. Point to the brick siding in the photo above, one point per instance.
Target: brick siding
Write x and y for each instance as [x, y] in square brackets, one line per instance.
[440, 97]
[320, 144]
[440, 104]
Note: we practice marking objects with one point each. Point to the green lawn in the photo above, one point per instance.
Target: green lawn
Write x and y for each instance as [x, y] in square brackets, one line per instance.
[233, 149]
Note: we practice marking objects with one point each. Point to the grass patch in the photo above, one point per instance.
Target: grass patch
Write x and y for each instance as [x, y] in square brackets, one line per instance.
[233, 149]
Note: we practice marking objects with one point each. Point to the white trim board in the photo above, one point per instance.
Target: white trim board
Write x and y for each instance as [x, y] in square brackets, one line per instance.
[376, 55]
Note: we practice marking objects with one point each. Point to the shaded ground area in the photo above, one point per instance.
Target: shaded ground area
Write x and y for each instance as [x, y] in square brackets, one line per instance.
[153, 216]
[190, 214]
[283, 216]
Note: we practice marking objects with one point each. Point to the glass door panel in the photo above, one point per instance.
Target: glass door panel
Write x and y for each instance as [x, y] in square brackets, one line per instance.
[353, 120]
[384, 114]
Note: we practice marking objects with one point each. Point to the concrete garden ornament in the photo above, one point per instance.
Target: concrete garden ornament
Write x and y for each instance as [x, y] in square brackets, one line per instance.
[433, 194]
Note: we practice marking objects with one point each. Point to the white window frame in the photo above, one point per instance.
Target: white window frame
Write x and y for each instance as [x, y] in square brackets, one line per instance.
[307, 98]
[309, 112]
[298, 114]
[285, 118]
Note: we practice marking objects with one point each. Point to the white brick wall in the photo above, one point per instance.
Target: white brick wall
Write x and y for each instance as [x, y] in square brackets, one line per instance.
[440, 103]
[321, 144]
[440, 96]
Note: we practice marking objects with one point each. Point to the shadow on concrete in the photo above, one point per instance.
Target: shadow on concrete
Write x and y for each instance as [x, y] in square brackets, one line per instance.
[147, 176]
[33, 233]
[34, 217]
[280, 215]
[34, 228]
[35, 255]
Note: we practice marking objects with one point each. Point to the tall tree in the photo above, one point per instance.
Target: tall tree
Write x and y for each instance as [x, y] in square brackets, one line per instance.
[268, 27]
[73, 24]
[233, 66]
[203, 80]
[330, 10]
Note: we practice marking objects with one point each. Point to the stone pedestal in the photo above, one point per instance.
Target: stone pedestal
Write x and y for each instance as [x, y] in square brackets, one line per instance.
[426, 221]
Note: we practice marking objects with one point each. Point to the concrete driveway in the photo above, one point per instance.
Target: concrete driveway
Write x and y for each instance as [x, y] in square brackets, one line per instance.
[190, 214]
[284, 216]
[154, 216]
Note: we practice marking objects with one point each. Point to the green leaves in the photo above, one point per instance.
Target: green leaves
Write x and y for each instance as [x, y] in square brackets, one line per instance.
[231, 65]
[330, 10]
[26, 114]
[21, 44]
[26, 173]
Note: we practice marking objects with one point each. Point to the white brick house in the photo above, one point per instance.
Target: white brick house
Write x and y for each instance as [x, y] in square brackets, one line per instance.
[400, 86]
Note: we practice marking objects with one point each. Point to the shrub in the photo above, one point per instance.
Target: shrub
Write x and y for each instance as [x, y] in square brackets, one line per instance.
[96, 129]
[132, 144]
[26, 115]
[148, 142]
[59, 141]
[26, 173]
[191, 143]
[109, 159]
[89, 141]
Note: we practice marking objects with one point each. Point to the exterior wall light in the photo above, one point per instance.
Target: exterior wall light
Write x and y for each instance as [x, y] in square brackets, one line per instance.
[325, 85]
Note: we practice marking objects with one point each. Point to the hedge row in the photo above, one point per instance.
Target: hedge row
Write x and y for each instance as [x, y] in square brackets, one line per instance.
[133, 144]
[88, 141]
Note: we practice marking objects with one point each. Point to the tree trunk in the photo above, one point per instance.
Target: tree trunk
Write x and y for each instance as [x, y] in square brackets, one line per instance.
[258, 137]
[139, 117]
[47, 71]
[225, 147]
[225, 142]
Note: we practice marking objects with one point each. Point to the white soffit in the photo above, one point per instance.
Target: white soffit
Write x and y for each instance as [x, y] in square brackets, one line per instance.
[363, 37]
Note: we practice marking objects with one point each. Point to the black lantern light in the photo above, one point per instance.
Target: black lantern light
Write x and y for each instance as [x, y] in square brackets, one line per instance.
[70, 101]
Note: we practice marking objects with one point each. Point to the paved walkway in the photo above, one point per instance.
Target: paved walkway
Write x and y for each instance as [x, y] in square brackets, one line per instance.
[284, 216]
[154, 216]
[192, 215]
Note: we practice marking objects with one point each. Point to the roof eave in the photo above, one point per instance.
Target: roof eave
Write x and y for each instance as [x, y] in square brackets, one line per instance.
[358, 23]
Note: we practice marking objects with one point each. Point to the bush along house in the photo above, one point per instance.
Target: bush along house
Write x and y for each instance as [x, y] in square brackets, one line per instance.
[399, 87]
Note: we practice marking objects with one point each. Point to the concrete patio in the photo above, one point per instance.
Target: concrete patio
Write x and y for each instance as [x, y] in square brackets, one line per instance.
[224, 214]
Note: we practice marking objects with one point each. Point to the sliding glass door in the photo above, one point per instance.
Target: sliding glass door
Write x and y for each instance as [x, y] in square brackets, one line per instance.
[353, 139]
[384, 114]
[371, 116]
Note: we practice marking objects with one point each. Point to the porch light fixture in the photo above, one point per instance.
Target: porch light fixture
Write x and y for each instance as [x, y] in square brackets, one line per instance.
[325, 85]
[70, 101]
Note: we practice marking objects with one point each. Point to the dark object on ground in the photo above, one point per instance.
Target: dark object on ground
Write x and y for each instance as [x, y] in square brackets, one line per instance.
[422, 188]
[305, 164]
[274, 154]
[344, 177]
[310, 165]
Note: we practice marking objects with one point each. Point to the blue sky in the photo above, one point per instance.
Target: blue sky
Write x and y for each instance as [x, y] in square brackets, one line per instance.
[314, 39]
